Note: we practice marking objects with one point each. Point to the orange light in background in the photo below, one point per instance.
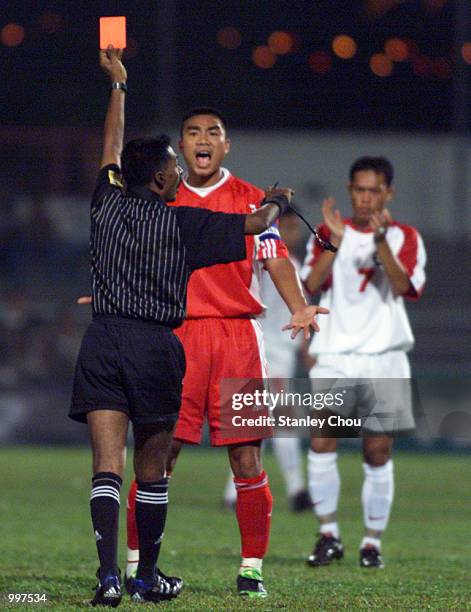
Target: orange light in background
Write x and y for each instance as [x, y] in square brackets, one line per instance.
[12, 35]
[466, 52]
[263, 57]
[381, 65]
[320, 62]
[344, 46]
[50, 22]
[396, 50]
[281, 43]
[229, 38]
[422, 66]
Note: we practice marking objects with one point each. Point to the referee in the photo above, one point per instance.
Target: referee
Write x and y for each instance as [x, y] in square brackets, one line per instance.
[131, 364]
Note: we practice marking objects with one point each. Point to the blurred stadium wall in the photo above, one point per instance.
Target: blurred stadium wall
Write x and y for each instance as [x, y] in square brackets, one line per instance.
[46, 183]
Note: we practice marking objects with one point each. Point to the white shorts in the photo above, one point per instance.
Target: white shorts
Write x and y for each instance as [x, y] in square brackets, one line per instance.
[377, 388]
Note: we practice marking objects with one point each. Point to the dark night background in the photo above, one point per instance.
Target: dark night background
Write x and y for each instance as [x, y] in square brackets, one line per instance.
[51, 78]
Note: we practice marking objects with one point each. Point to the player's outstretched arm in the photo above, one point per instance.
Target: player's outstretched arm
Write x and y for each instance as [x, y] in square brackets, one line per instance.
[110, 61]
[276, 201]
[288, 284]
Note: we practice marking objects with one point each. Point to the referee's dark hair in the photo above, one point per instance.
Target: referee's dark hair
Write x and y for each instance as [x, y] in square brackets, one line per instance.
[142, 157]
[203, 110]
[380, 165]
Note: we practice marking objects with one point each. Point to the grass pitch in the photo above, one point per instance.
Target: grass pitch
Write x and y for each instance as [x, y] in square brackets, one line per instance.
[48, 547]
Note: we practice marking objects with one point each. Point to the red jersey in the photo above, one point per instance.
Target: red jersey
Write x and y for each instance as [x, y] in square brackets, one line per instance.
[230, 290]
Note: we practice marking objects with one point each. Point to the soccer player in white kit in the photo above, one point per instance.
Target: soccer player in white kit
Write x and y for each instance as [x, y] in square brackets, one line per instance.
[379, 262]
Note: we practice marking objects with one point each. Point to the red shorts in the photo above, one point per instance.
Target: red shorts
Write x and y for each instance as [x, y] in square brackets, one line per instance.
[215, 348]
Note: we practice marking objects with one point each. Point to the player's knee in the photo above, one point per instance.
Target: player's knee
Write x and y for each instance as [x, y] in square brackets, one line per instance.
[324, 445]
[172, 456]
[150, 472]
[113, 465]
[377, 450]
[248, 469]
[377, 457]
[246, 462]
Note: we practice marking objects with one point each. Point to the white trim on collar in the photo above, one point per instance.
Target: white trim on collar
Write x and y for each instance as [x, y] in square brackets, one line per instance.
[204, 191]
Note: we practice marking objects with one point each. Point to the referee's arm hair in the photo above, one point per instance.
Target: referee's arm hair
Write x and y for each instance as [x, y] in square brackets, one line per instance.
[276, 201]
[110, 61]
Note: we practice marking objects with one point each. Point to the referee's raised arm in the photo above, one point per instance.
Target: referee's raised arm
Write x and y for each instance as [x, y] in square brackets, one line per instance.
[110, 61]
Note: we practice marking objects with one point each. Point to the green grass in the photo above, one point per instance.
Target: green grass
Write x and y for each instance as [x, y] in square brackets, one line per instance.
[47, 544]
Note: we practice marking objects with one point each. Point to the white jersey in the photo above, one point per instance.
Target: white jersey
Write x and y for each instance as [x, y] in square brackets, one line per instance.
[280, 349]
[365, 315]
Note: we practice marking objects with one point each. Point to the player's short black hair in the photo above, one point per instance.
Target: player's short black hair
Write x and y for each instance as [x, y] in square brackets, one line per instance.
[380, 165]
[203, 110]
[142, 157]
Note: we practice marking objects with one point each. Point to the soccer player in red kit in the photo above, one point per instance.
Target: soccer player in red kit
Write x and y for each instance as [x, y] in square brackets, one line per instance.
[222, 337]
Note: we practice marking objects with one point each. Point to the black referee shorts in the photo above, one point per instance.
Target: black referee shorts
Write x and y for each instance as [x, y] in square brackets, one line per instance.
[129, 365]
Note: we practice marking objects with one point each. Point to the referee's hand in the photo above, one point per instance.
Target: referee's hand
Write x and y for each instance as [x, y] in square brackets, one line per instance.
[110, 61]
[84, 299]
[305, 319]
[270, 192]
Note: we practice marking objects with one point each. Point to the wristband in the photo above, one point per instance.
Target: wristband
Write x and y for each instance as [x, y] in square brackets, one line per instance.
[280, 200]
[122, 86]
[381, 235]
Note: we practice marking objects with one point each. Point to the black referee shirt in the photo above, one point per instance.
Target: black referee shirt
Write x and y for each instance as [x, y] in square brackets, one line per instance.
[143, 251]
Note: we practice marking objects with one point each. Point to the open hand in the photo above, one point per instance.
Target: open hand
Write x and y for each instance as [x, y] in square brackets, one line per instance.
[305, 319]
[333, 220]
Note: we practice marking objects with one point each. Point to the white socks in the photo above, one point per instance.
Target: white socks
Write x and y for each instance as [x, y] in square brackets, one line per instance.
[368, 541]
[251, 562]
[132, 559]
[377, 495]
[332, 528]
[324, 482]
[288, 454]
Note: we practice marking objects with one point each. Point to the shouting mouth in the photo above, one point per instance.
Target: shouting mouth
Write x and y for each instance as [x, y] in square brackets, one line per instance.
[203, 159]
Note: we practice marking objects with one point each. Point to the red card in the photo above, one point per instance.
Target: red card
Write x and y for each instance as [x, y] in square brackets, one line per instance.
[113, 32]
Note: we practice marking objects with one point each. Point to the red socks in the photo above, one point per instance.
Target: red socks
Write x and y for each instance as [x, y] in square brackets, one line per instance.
[254, 506]
[133, 538]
